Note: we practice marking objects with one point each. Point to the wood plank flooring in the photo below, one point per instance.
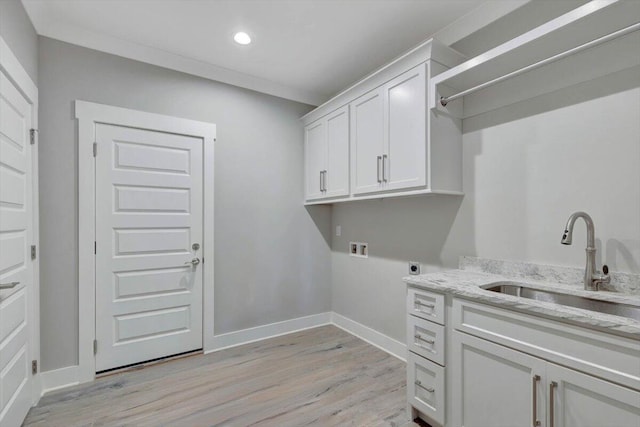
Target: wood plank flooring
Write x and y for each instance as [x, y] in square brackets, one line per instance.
[319, 377]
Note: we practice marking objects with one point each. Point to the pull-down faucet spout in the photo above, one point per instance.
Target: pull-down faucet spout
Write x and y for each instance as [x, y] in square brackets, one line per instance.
[592, 278]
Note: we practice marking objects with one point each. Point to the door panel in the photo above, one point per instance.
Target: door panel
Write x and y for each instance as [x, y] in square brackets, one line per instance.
[338, 153]
[315, 151]
[367, 134]
[148, 216]
[493, 385]
[16, 235]
[581, 400]
[405, 112]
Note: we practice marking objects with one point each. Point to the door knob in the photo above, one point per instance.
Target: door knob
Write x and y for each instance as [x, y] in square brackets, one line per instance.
[193, 262]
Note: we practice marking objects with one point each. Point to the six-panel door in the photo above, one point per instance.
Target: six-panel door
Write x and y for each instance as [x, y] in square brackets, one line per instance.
[16, 270]
[149, 213]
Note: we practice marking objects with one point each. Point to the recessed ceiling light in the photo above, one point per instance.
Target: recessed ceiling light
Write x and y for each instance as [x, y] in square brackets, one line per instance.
[242, 38]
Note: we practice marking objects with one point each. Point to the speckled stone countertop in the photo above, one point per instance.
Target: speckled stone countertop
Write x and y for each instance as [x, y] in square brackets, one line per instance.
[476, 273]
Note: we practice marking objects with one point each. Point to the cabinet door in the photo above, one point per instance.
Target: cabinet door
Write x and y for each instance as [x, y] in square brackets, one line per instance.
[315, 151]
[367, 134]
[580, 400]
[405, 130]
[337, 175]
[495, 386]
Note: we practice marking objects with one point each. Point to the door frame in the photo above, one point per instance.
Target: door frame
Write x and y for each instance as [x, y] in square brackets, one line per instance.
[13, 69]
[88, 115]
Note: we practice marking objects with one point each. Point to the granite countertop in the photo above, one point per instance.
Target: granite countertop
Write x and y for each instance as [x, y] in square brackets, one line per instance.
[468, 283]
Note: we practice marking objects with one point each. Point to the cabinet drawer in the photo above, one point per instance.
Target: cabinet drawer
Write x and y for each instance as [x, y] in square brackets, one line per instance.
[426, 339]
[425, 304]
[425, 387]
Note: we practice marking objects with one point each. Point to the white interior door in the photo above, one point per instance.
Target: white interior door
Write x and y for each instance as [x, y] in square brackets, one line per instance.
[149, 221]
[16, 267]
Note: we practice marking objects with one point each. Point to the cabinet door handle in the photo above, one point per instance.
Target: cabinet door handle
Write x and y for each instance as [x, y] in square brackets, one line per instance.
[384, 168]
[534, 382]
[325, 180]
[320, 181]
[378, 160]
[421, 338]
[419, 384]
[552, 415]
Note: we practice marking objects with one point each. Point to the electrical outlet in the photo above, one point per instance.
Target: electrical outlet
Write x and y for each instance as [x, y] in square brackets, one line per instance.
[414, 268]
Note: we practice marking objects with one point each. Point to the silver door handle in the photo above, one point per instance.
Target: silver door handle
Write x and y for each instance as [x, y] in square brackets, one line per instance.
[10, 285]
[552, 415]
[378, 160]
[534, 381]
[193, 262]
[384, 168]
[419, 384]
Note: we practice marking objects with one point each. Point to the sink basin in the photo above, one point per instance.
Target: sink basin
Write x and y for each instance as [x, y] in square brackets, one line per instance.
[615, 308]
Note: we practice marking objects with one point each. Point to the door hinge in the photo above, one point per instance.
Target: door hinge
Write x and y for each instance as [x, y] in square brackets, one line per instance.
[95, 149]
[34, 367]
[33, 252]
[32, 136]
[95, 347]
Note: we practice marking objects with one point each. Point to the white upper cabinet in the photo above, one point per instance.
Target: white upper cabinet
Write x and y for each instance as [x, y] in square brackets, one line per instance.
[381, 141]
[367, 115]
[327, 156]
[315, 150]
[404, 158]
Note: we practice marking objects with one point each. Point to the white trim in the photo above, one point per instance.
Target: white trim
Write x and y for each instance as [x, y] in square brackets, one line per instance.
[11, 67]
[88, 114]
[59, 378]
[373, 337]
[105, 43]
[272, 330]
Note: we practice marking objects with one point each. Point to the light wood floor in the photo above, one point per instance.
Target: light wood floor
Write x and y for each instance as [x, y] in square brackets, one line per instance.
[321, 377]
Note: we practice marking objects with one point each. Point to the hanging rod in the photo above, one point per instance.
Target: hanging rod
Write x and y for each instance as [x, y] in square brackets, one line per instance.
[444, 100]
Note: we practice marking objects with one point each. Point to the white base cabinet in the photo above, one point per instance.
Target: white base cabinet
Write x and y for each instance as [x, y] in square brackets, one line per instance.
[475, 365]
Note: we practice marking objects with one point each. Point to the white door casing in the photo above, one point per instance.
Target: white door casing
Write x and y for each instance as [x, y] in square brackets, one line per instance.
[148, 217]
[95, 120]
[19, 330]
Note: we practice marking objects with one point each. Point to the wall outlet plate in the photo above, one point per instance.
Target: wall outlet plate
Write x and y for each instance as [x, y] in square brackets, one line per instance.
[359, 249]
[414, 268]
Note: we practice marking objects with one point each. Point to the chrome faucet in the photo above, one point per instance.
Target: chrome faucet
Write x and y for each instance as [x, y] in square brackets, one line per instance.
[592, 278]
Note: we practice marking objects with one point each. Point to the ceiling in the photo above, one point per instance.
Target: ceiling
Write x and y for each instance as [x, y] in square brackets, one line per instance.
[305, 50]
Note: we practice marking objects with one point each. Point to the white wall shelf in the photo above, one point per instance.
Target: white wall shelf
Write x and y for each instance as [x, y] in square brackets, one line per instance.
[593, 40]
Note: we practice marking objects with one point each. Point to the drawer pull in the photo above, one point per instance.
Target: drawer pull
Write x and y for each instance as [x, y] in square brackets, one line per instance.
[419, 384]
[421, 338]
[424, 304]
[534, 410]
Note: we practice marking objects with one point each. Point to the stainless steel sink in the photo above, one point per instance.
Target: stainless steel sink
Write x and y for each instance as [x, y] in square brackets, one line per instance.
[515, 289]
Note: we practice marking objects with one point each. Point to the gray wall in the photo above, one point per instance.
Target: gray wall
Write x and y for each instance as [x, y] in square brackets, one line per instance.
[18, 32]
[272, 256]
[526, 169]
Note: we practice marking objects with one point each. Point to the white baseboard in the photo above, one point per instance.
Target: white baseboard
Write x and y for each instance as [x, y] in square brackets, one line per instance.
[70, 376]
[373, 337]
[59, 378]
[246, 336]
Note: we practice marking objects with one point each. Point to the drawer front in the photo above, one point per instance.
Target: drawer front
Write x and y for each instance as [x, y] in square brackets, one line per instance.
[426, 339]
[425, 387]
[597, 353]
[425, 304]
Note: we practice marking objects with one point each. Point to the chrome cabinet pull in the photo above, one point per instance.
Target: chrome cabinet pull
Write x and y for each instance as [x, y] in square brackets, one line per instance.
[552, 388]
[419, 384]
[9, 285]
[194, 262]
[534, 382]
[421, 338]
[321, 181]
[378, 160]
[384, 168]
[324, 180]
